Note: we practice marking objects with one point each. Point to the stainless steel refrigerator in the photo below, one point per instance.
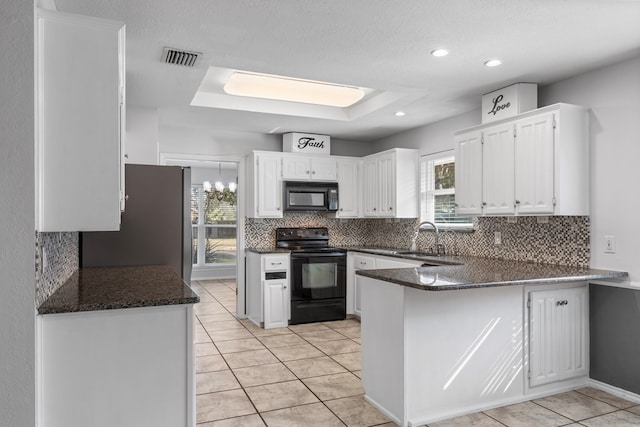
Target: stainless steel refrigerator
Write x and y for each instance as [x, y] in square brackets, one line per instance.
[156, 223]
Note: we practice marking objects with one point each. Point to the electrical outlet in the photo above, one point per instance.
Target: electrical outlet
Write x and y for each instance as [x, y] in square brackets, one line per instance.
[610, 244]
[45, 259]
[512, 220]
[542, 219]
[497, 238]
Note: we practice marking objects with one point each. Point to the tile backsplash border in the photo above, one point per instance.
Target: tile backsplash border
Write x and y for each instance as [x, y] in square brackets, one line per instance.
[62, 260]
[562, 240]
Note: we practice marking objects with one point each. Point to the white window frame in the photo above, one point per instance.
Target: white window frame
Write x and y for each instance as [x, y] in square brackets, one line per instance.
[428, 191]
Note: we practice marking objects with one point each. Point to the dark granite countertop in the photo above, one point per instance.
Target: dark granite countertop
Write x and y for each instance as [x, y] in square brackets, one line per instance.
[475, 272]
[106, 288]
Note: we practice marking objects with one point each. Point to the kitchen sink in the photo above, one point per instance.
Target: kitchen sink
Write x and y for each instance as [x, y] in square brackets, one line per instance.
[417, 253]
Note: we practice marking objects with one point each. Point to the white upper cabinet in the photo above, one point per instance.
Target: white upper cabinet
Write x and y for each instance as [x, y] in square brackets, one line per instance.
[348, 188]
[534, 164]
[497, 170]
[305, 168]
[390, 184]
[80, 81]
[265, 182]
[468, 176]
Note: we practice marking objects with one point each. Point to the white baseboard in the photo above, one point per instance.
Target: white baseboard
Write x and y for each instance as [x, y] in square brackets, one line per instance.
[614, 390]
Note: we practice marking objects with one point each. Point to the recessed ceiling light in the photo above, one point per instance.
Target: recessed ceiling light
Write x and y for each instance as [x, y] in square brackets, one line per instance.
[440, 52]
[290, 89]
[399, 113]
[493, 63]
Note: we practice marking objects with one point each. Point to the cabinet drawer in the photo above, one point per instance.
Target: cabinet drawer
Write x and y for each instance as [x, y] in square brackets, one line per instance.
[363, 262]
[276, 263]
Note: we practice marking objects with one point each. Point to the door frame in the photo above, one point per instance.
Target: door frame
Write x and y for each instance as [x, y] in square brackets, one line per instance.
[240, 160]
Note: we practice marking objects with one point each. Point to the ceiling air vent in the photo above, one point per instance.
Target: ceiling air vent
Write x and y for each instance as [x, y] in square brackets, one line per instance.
[180, 57]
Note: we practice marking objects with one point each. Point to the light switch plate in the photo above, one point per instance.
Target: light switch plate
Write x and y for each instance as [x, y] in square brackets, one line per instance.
[610, 244]
[497, 238]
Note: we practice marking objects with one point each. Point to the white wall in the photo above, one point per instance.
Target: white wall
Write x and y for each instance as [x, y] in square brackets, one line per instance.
[17, 224]
[141, 136]
[613, 94]
[432, 138]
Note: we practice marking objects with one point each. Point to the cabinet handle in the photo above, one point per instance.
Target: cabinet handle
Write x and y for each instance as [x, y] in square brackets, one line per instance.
[563, 302]
[126, 197]
[276, 263]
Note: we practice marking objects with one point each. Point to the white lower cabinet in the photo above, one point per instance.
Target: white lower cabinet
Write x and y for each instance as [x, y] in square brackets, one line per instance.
[558, 334]
[359, 261]
[123, 367]
[268, 293]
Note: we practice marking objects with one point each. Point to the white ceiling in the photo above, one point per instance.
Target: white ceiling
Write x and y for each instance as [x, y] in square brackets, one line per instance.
[379, 44]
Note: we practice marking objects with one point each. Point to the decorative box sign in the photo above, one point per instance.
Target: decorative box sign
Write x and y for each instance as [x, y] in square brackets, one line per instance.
[306, 143]
[509, 101]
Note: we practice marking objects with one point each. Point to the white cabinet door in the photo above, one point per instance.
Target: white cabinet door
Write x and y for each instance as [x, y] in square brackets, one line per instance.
[498, 170]
[321, 168]
[386, 185]
[534, 156]
[324, 168]
[268, 187]
[370, 187]
[348, 184]
[360, 262]
[276, 298]
[469, 173]
[575, 333]
[79, 105]
[558, 335]
[296, 168]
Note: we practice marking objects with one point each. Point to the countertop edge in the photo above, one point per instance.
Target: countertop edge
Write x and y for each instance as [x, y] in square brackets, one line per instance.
[118, 288]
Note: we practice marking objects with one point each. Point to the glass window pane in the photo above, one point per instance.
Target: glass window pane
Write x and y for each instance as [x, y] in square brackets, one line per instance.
[194, 205]
[194, 237]
[220, 207]
[445, 210]
[445, 176]
[220, 245]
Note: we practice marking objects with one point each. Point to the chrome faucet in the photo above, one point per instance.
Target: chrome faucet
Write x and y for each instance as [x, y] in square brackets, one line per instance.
[435, 228]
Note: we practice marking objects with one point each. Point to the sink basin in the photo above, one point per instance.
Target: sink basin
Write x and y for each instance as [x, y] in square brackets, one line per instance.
[417, 253]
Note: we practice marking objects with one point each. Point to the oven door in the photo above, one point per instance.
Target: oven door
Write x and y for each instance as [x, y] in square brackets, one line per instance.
[317, 276]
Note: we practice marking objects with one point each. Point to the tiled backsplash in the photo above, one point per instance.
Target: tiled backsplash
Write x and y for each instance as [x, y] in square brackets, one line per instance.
[563, 240]
[62, 261]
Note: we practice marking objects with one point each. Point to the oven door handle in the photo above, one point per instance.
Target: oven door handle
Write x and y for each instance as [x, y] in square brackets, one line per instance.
[318, 255]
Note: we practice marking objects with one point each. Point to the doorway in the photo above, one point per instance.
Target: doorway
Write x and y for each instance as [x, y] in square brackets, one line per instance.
[217, 210]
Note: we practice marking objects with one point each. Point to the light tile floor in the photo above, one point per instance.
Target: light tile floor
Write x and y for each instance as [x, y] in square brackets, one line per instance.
[309, 375]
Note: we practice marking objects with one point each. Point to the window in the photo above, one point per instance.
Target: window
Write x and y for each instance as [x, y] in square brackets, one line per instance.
[437, 192]
[213, 220]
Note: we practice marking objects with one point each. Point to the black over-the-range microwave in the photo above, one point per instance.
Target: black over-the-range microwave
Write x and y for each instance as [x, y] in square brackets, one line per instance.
[310, 196]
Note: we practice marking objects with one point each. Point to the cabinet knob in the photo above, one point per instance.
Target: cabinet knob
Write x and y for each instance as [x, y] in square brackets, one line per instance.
[517, 202]
[484, 203]
[126, 197]
[307, 172]
[390, 208]
[341, 209]
[278, 208]
[374, 209]
[126, 156]
[314, 172]
[284, 287]
[455, 204]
